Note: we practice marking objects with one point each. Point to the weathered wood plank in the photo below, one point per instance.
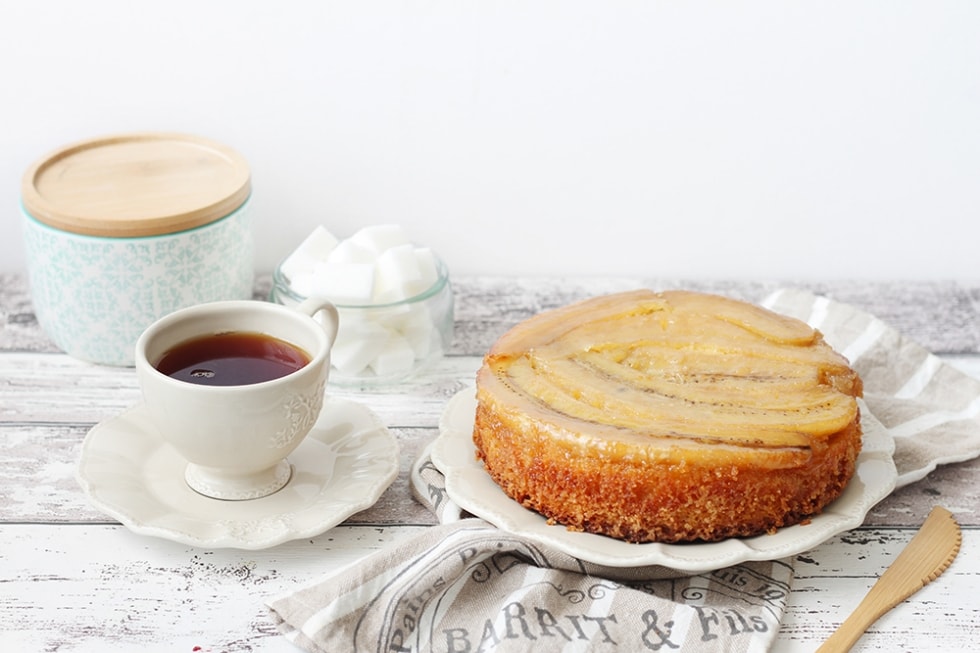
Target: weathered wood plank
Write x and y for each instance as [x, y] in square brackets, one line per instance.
[50, 402]
[941, 316]
[944, 317]
[39, 486]
[832, 579]
[54, 388]
[135, 593]
[132, 591]
[41, 438]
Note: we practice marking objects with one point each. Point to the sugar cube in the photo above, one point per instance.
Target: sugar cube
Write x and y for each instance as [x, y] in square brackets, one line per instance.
[378, 238]
[358, 343]
[319, 243]
[397, 274]
[420, 333]
[349, 251]
[301, 283]
[299, 265]
[428, 270]
[344, 283]
[396, 357]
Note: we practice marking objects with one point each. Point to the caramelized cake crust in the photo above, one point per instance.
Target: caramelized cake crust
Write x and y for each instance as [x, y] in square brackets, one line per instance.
[674, 416]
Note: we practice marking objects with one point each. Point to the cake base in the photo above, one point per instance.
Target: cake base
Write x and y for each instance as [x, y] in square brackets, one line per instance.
[662, 501]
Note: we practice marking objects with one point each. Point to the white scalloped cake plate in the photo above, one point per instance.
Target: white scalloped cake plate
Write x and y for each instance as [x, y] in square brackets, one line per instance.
[469, 485]
[342, 467]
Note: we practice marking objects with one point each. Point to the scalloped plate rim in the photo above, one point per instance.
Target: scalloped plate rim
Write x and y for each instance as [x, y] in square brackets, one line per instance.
[109, 473]
[469, 486]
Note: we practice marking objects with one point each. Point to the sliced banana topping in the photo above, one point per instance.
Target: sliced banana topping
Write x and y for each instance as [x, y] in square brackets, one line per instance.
[679, 365]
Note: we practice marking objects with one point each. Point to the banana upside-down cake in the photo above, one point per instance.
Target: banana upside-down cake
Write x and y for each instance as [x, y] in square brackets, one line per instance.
[668, 417]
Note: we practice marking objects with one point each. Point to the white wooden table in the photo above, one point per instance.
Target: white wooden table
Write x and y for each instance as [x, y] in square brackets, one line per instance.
[72, 579]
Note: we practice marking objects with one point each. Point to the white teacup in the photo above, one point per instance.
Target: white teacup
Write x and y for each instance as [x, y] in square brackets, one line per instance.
[236, 438]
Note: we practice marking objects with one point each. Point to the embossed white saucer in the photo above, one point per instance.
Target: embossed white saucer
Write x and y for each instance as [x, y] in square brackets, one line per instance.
[470, 487]
[342, 467]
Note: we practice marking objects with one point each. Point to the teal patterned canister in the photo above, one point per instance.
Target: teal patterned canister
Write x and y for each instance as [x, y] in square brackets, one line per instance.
[123, 230]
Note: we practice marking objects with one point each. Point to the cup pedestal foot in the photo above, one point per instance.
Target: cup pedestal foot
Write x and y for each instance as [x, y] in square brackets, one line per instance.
[219, 484]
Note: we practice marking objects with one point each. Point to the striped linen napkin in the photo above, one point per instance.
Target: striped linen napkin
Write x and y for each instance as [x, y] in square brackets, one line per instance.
[466, 586]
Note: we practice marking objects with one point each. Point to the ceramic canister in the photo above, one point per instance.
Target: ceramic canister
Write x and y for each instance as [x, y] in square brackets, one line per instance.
[122, 230]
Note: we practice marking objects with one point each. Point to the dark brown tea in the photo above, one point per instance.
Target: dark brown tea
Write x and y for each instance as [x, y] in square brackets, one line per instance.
[234, 358]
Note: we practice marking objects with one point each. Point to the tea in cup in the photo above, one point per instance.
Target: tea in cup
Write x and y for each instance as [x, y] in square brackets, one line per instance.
[235, 387]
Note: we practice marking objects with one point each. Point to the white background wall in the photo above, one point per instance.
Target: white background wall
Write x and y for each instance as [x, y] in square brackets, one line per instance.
[697, 139]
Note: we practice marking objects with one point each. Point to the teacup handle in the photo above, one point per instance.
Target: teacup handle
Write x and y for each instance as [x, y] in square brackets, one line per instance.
[314, 305]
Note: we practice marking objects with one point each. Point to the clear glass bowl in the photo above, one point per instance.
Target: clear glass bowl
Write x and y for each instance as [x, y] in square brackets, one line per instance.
[385, 343]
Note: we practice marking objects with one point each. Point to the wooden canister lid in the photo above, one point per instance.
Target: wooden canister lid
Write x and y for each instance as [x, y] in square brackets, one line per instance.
[141, 184]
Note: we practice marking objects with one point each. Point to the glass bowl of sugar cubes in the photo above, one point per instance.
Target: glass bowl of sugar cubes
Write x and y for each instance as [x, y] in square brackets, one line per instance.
[394, 298]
